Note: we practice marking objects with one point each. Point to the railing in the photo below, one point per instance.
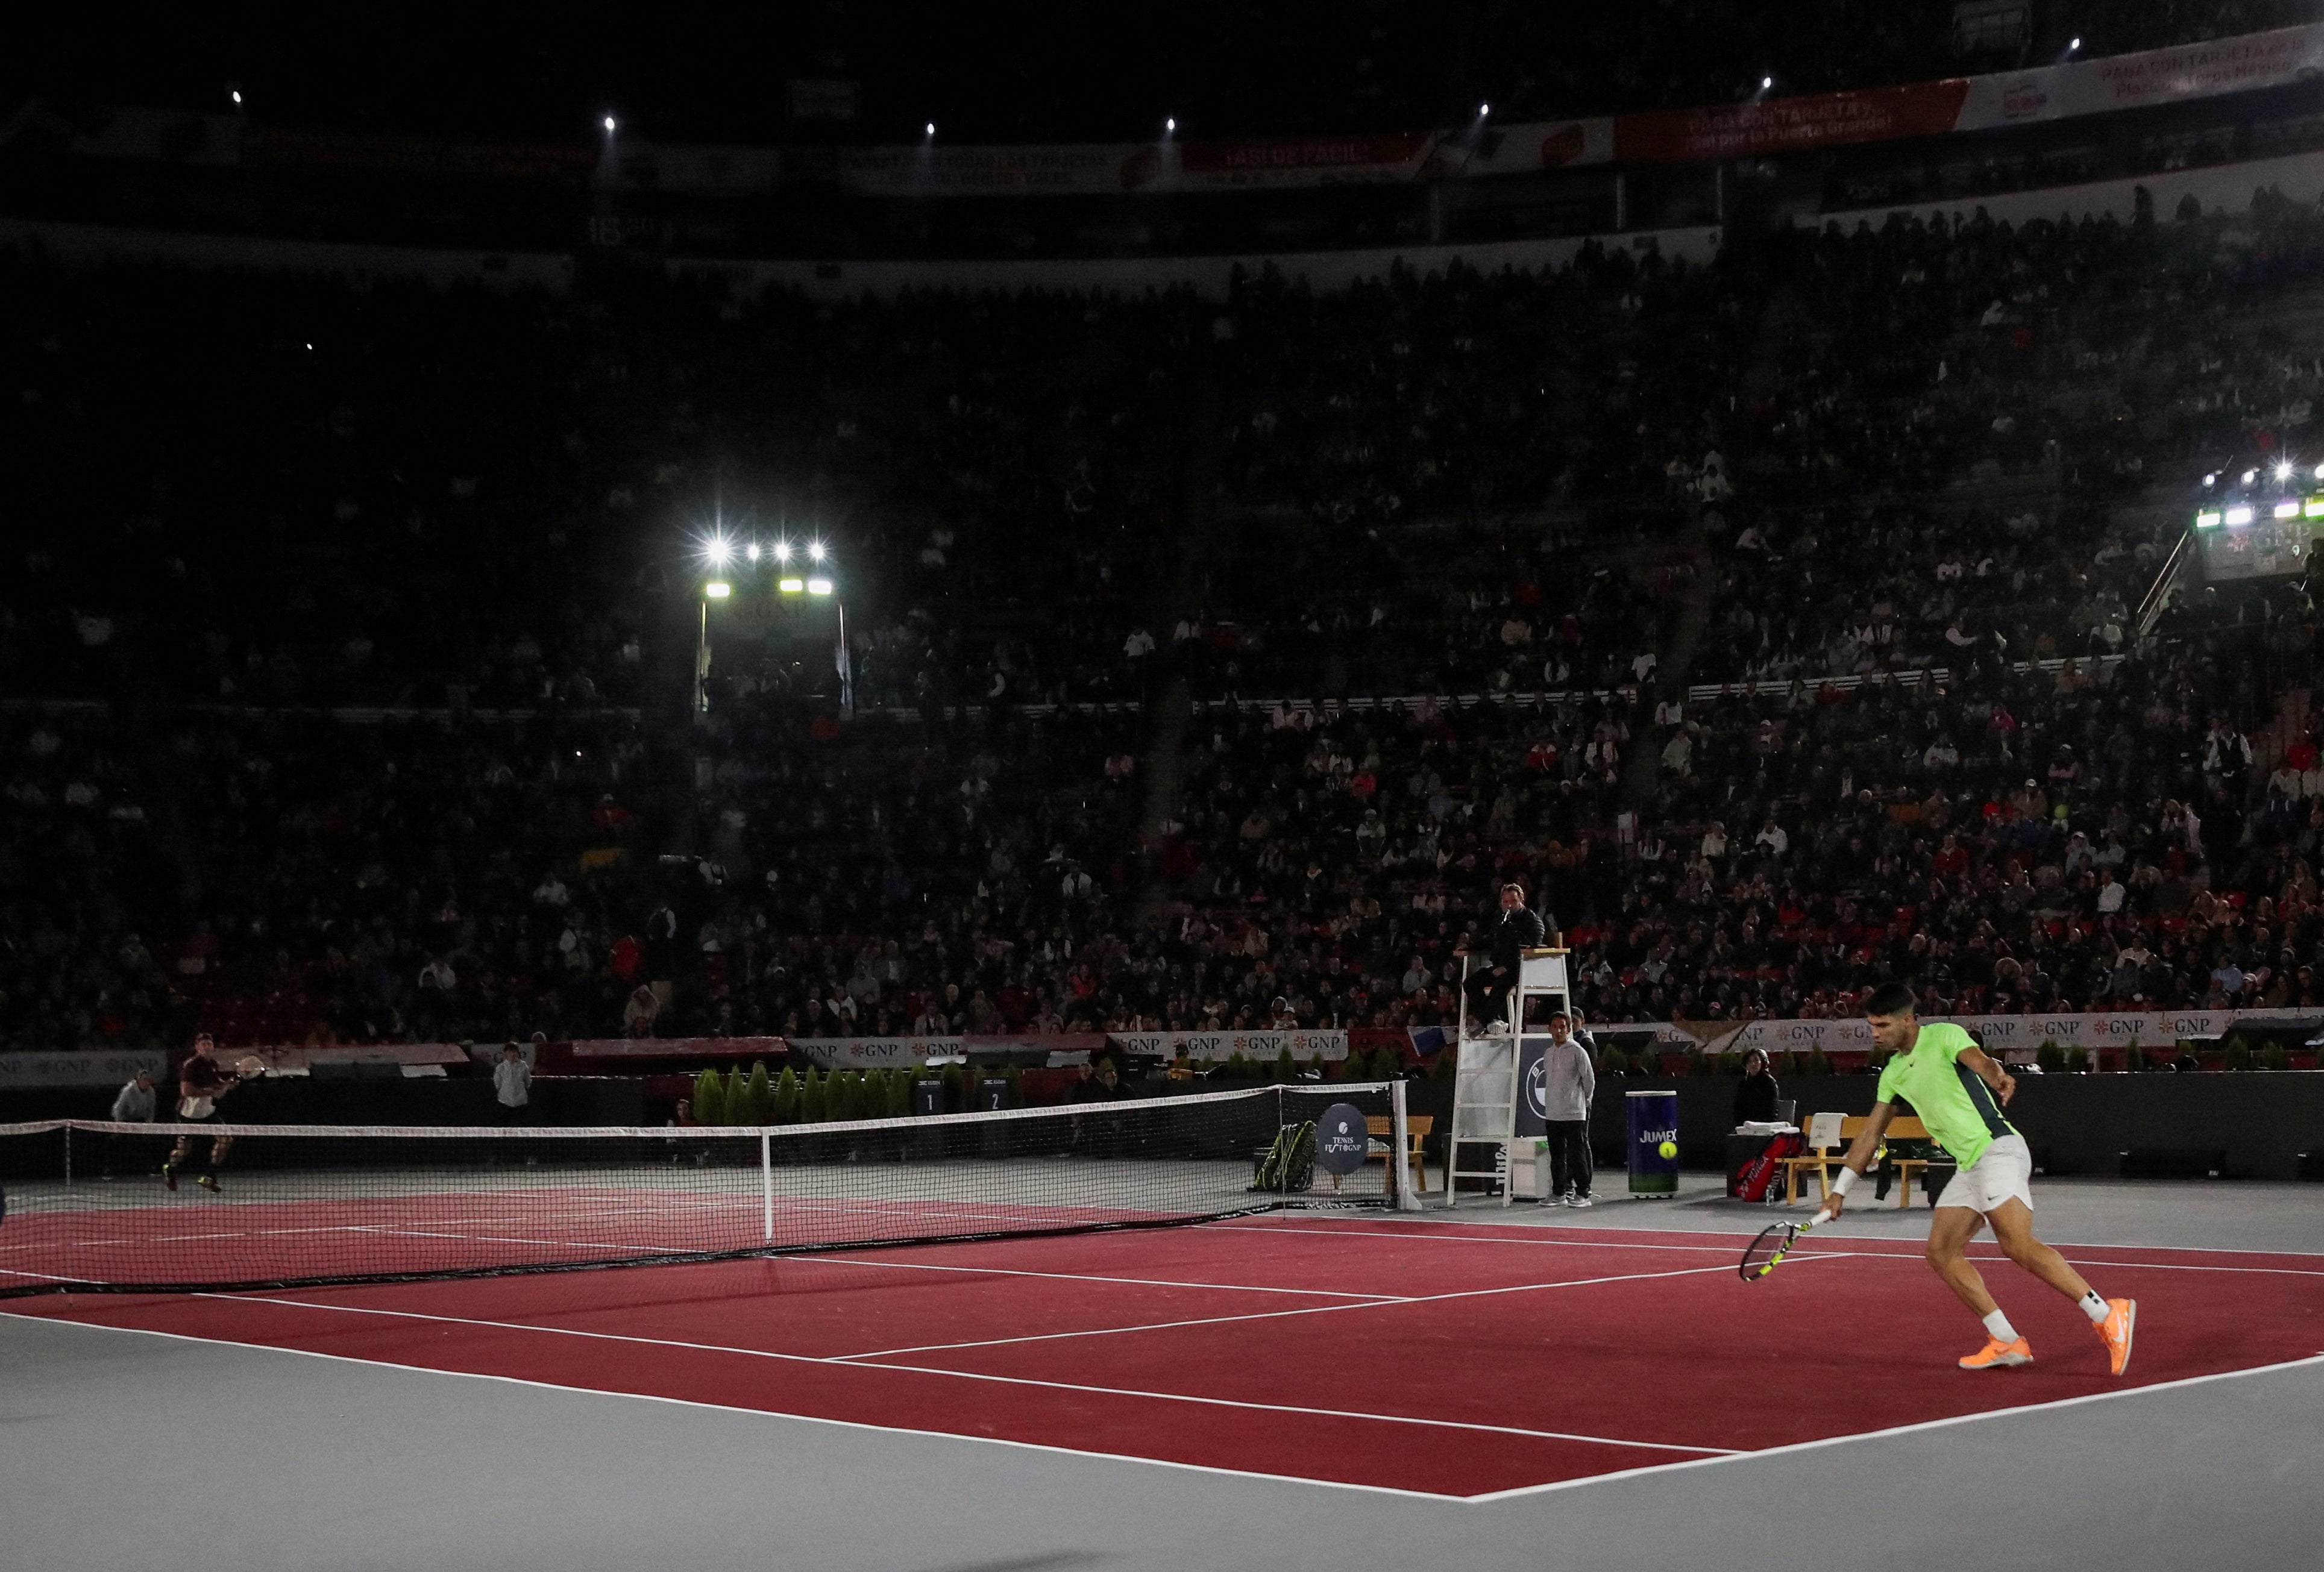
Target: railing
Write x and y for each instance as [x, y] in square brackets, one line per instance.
[2158, 593]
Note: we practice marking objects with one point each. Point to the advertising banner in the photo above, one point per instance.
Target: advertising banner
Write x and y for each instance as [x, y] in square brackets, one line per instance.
[2095, 87]
[2014, 1036]
[1030, 171]
[2164, 76]
[1531, 1122]
[886, 1053]
[1095, 168]
[1524, 149]
[1209, 1047]
[616, 1048]
[1653, 1143]
[1726, 131]
[369, 152]
[124, 130]
[1306, 161]
[88, 1067]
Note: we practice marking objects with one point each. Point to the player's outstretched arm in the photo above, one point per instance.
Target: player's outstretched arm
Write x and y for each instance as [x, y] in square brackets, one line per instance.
[1989, 1070]
[1858, 1159]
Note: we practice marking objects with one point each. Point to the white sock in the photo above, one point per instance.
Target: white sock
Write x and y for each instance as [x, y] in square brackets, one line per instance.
[1997, 1327]
[2094, 1307]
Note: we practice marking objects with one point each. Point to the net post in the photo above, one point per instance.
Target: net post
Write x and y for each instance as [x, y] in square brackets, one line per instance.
[69, 1155]
[1399, 1185]
[767, 1186]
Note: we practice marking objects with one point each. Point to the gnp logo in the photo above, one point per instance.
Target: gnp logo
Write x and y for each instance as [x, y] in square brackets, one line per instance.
[1800, 1032]
[1536, 1088]
[2116, 1028]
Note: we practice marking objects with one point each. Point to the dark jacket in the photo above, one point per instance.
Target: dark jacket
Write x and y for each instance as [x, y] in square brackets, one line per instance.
[1516, 932]
[1755, 1100]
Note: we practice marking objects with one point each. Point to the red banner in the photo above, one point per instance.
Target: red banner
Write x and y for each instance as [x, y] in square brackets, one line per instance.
[1789, 124]
[1303, 159]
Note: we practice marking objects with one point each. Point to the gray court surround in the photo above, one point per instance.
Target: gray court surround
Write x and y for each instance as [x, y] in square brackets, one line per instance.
[122, 1452]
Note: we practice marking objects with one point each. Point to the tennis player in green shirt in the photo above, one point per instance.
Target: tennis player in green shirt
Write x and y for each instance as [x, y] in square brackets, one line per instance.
[1958, 1093]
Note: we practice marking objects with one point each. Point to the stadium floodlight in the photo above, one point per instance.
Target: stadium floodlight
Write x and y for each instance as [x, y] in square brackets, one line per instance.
[1170, 124]
[932, 128]
[2315, 509]
[818, 586]
[235, 95]
[1765, 83]
[752, 551]
[1483, 110]
[718, 589]
[2207, 520]
[719, 550]
[782, 551]
[2239, 515]
[2072, 44]
[2250, 475]
[2287, 508]
[791, 586]
[815, 551]
[2209, 479]
[2284, 471]
[609, 125]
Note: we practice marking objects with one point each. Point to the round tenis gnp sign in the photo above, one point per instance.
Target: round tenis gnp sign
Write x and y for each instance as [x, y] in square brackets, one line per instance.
[1342, 1139]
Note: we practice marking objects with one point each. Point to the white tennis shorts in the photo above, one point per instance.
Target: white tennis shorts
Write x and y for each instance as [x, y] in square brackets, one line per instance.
[2001, 1172]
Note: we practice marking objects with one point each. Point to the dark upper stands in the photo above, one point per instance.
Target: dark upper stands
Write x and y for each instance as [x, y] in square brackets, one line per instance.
[1039, 73]
[1831, 456]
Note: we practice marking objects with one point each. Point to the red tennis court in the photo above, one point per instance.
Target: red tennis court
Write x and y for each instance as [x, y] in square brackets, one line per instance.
[1457, 1361]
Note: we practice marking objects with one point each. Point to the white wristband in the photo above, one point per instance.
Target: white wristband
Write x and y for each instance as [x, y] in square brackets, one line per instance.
[1845, 1182]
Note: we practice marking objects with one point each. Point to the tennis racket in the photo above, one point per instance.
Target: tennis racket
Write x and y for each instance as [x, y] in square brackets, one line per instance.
[1774, 1242]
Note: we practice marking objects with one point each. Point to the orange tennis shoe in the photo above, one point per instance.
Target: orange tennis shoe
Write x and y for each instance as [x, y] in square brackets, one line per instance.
[2122, 1315]
[1997, 1355]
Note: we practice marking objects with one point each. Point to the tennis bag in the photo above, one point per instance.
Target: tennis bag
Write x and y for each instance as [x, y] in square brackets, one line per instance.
[1289, 1163]
[1759, 1175]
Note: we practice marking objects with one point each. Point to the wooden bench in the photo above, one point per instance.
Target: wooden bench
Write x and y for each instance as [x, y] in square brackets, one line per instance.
[1416, 1128]
[1823, 1159]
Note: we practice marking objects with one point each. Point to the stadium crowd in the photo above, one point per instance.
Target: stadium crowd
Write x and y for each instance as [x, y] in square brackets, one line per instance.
[1529, 489]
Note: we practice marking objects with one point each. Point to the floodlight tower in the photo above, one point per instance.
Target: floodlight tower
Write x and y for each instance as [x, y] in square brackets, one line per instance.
[803, 575]
[816, 580]
[716, 552]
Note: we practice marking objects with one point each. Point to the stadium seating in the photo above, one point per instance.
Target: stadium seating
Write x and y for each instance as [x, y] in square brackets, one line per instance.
[345, 655]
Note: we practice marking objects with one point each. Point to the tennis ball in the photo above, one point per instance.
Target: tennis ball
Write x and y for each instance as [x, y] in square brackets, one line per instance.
[1668, 1148]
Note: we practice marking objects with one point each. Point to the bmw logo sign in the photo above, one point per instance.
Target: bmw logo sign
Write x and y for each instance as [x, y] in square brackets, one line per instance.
[1536, 1088]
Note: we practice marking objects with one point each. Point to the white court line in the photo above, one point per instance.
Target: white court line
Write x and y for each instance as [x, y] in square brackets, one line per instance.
[838, 1258]
[1282, 1315]
[848, 1260]
[1454, 1239]
[1965, 1419]
[829, 1362]
[1906, 1254]
[1486, 1498]
[763, 1413]
[1425, 1227]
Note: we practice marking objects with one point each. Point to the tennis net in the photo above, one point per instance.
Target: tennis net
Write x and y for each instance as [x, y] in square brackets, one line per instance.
[89, 1209]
